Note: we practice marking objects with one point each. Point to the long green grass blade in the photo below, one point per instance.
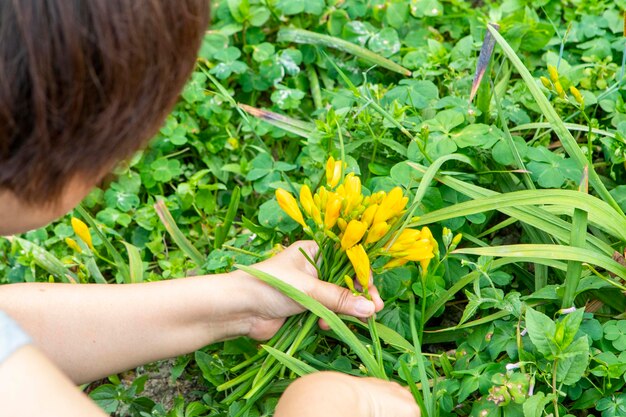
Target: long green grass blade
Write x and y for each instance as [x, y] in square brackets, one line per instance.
[571, 126]
[135, 263]
[574, 268]
[177, 236]
[222, 231]
[386, 334]
[296, 365]
[312, 38]
[601, 214]
[333, 321]
[288, 124]
[567, 140]
[539, 253]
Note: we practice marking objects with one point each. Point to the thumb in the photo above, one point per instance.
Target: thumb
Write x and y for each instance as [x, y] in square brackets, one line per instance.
[341, 300]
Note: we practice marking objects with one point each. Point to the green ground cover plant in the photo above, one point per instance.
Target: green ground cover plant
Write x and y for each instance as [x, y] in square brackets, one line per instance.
[503, 122]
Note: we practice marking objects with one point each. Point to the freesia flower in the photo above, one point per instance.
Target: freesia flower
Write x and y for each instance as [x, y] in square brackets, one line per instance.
[82, 231]
[353, 234]
[391, 205]
[306, 199]
[73, 244]
[368, 215]
[288, 203]
[333, 172]
[333, 206]
[361, 264]
[377, 232]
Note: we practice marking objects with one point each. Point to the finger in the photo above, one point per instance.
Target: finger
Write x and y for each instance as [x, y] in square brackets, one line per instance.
[341, 300]
[378, 302]
[310, 248]
[323, 325]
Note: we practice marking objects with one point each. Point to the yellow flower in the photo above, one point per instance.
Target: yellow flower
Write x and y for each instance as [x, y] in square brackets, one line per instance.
[395, 263]
[422, 249]
[377, 232]
[316, 213]
[546, 83]
[331, 214]
[333, 172]
[353, 234]
[554, 74]
[368, 215]
[576, 93]
[342, 224]
[306, 199]
[82, 231]
[289, 205]
[73, 244]
[392, 205]
[361, 264]
[406, 239]
[559, 89]
[426, 234]
[352, 192]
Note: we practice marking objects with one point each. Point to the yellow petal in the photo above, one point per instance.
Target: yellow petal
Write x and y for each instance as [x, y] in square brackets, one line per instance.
[331, 213]
[392, 204]
[368, 215]
[377, 232]
[73, 244]
[554, 74]
[82, 231]
[306, 199]
[353, 234]
[361, 264]
[333, 172]
[288, 203]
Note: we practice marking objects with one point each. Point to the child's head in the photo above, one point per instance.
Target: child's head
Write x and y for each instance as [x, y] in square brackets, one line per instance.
[83, 84]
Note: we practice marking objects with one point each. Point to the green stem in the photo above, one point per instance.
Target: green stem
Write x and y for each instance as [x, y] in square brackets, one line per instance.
[428, 411]
[378, 349]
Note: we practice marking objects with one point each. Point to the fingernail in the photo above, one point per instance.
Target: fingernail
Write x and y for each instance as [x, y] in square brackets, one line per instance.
[364, 307]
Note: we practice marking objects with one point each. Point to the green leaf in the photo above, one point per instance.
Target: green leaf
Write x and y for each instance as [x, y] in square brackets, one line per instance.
[541, 330]
[572, 367]
[177, 235]
[535, 405]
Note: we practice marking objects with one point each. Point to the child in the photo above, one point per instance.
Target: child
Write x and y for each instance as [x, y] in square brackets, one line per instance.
[84, 84]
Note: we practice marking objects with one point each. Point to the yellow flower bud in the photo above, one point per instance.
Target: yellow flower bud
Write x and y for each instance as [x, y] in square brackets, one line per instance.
[342, 224]
[577, 96]
[350, 284]
[426, 234]
[559, 89]
[288, 203]
[554, 74]
[455, 241]
[316, 213]
[306, 199]
[361, 264]
[331, 214]
[377, 232]
[424, 264]
[82, 231]
[353, 234]
[333, 172]
[392, 205]
[546, 83]
[73, 244]
[368, 215]
[395, 263]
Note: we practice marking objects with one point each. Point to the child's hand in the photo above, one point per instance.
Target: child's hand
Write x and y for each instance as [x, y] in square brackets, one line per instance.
[332, 394]
[269, 307]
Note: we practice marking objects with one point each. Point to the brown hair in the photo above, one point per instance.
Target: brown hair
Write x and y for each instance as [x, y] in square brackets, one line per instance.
[84, 83]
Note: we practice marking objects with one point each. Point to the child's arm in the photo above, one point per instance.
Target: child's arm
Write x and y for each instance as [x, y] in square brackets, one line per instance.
[91, 331]
[331, 394]
[30, 386]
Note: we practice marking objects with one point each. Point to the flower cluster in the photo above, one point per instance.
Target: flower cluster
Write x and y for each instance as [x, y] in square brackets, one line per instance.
[363, 227]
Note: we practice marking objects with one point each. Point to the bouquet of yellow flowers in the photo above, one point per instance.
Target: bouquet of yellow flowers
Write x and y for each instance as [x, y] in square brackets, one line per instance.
[353, 231]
